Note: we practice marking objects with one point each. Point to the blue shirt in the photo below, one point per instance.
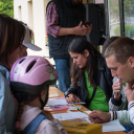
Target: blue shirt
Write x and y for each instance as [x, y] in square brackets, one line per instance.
[7, 104]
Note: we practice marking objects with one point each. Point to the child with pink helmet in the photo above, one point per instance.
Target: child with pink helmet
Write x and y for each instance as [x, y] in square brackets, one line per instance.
[30, 80]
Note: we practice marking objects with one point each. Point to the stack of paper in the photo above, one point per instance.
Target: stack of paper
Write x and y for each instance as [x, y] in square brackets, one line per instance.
[56, 102]
[60, 101]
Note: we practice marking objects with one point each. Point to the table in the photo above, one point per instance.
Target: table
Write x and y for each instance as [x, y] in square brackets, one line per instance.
[54, 90]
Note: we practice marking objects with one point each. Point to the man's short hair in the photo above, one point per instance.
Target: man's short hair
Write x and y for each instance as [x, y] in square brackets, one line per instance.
[122, 48]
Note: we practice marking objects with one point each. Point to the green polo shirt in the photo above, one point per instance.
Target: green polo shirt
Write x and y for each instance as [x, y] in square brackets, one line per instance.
[99, 101]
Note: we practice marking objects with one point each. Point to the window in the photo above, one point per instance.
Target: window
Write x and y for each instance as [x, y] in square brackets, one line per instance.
[129, 18]
[99, 1]
[114, 18]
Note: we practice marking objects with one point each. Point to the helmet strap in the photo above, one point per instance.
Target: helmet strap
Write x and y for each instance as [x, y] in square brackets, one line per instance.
[41, 101]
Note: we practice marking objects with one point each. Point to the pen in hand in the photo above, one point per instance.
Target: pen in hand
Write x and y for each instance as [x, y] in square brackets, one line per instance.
[83, 112]
[71, 98]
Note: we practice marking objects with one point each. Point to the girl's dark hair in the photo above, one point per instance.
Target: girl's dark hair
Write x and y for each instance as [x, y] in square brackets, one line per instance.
[28, 99]
[12, 33]
[78, 45]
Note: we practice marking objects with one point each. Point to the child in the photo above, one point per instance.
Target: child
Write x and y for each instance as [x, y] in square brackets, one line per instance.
[30, 80]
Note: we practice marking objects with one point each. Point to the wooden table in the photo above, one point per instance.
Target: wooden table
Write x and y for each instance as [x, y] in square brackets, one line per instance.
[54, 90]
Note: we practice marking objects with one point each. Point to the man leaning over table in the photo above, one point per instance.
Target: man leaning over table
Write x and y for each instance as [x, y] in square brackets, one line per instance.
[65, 20]
[120, 59]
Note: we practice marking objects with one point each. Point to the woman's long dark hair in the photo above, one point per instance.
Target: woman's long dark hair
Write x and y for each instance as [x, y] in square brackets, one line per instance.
[78, 45]
[12, 33]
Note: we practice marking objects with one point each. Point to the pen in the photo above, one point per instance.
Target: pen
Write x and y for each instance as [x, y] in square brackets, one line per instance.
[83, 112]
[71, 98]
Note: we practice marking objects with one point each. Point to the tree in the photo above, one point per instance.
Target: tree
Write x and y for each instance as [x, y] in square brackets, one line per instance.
[128, 6]
[6, 7]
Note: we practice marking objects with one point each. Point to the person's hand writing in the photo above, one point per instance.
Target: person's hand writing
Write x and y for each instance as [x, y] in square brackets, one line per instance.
[99, 117]
[71, 98]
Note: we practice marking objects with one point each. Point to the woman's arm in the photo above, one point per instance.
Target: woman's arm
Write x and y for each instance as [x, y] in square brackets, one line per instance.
[71, 95]
[71, 90]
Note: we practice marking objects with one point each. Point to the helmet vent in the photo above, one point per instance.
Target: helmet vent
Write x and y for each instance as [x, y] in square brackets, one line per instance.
[21, 61]
[30, 66]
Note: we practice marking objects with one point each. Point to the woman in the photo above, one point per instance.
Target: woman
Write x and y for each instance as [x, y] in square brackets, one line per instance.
[12, 35]
[91, 79]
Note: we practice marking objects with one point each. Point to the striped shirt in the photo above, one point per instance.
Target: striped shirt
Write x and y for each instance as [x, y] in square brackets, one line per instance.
[125, 117]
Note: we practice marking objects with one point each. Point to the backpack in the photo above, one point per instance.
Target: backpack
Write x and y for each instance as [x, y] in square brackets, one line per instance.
[31, 128]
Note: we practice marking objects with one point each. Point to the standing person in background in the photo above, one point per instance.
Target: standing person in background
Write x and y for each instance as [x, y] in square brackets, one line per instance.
[118, 101]
[65, 19]
[12, 34]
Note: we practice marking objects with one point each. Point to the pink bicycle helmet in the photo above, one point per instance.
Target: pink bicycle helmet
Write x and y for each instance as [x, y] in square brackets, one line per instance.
[30, 75]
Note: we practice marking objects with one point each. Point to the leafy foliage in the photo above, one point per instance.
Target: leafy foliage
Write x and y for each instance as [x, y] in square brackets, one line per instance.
[128, 6]
[6, 7]
[129, 31]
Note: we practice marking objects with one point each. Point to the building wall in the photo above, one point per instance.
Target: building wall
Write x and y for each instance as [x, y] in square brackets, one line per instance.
[33, 12]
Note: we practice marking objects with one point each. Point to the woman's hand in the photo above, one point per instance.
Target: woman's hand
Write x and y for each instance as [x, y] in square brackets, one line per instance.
[99, 116]
[48, 114]
[71, 98]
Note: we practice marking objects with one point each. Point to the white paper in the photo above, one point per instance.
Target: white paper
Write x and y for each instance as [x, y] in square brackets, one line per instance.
[79, 114]
[54, 95]
[107, 127]
[70, 115]
[73, 108]
[59, 102]
[56, 102]
[63, 116]
[112, 126]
